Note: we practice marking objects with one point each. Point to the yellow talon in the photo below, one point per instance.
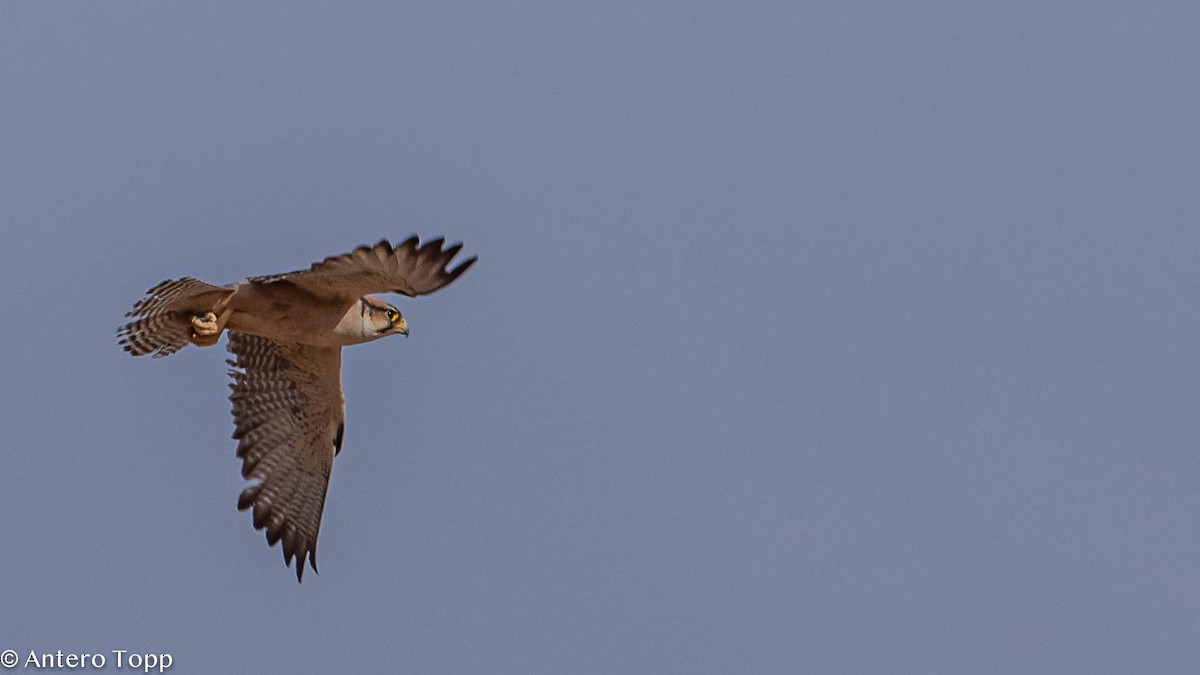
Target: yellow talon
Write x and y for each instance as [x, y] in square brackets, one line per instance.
[206, 332]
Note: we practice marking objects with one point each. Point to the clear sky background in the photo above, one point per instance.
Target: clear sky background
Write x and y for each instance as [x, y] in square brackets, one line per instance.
[833, 337]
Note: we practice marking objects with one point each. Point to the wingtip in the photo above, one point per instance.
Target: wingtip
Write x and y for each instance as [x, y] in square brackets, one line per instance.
[411, 243]
[312, 562]
[246, 498]
[462, 267]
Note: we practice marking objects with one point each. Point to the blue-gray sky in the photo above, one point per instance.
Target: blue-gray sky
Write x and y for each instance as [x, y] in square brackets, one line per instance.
[834, 337]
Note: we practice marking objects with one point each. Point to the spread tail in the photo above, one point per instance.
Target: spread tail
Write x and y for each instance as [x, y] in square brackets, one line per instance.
[162, 321]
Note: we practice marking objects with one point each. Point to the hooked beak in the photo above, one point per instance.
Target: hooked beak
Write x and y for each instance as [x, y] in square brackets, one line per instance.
[401, 327]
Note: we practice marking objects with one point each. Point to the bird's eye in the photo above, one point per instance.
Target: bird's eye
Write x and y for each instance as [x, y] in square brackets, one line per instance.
[392, 315]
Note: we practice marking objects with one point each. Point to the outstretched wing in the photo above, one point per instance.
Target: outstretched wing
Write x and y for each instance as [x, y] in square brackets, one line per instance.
[289, 416]
[410, 268]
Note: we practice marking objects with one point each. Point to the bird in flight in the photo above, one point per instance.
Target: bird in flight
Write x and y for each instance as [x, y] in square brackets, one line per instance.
[286, 333]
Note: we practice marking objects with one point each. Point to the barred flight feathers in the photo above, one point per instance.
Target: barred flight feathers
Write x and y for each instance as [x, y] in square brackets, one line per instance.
[289, 415]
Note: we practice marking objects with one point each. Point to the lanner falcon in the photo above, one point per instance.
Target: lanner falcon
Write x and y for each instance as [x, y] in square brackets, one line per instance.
[286, 333]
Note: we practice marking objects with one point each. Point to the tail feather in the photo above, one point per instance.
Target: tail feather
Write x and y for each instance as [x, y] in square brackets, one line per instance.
[162, 321]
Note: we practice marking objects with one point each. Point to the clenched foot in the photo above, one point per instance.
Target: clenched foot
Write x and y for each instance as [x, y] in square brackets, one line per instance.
[205, 330]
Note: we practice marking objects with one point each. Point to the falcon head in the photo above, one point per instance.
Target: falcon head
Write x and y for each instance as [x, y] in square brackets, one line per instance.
[381, 318]
[370, 319]
[397, 322]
